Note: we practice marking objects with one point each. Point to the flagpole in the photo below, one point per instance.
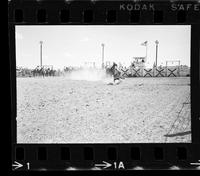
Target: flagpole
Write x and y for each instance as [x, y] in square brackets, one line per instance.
[145, 44]
[146, 52]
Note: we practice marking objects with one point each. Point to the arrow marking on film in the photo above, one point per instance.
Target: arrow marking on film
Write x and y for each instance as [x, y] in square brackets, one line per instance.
[17, 165]
[105, 165]
[198, 164]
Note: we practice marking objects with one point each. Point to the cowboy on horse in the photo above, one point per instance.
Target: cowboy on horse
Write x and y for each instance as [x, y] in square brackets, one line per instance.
[115, 73]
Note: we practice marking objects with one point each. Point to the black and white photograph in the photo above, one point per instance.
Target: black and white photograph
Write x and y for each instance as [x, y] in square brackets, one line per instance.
[103, 84]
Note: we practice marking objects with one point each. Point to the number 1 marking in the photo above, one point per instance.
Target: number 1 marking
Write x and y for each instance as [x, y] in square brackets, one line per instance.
[28, 166]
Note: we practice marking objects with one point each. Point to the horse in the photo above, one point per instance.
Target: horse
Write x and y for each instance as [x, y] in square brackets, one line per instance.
[52, 72]
[38, 71]
[35, 72]
[49, 72]
[114, 72]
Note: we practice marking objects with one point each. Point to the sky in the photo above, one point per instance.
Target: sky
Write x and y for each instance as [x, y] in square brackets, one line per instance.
[73, 45]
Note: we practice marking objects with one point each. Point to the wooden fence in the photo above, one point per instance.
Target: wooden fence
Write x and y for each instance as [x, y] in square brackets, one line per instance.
[155, 72]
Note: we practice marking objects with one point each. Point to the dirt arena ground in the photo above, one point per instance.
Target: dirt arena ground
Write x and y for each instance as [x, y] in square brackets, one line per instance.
[139, 110]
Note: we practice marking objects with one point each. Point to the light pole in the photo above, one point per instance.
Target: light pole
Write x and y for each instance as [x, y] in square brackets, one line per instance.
[41, 42]
[103, 45]
[156, 42]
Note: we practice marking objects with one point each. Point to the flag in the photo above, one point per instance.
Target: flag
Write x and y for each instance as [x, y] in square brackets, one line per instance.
[144, 44]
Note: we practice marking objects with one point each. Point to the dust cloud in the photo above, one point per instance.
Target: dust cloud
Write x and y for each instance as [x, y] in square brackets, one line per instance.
[89, 75]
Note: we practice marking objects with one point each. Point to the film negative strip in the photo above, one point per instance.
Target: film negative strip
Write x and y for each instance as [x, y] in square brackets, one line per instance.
[104, 85]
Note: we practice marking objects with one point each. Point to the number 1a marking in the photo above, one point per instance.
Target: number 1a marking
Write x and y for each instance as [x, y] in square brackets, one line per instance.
[28, 166]
[119, 166]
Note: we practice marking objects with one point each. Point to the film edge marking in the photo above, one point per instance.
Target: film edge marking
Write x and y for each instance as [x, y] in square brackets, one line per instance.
[105, 165]
[117, 165]
[17, 165]
[197, 164]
